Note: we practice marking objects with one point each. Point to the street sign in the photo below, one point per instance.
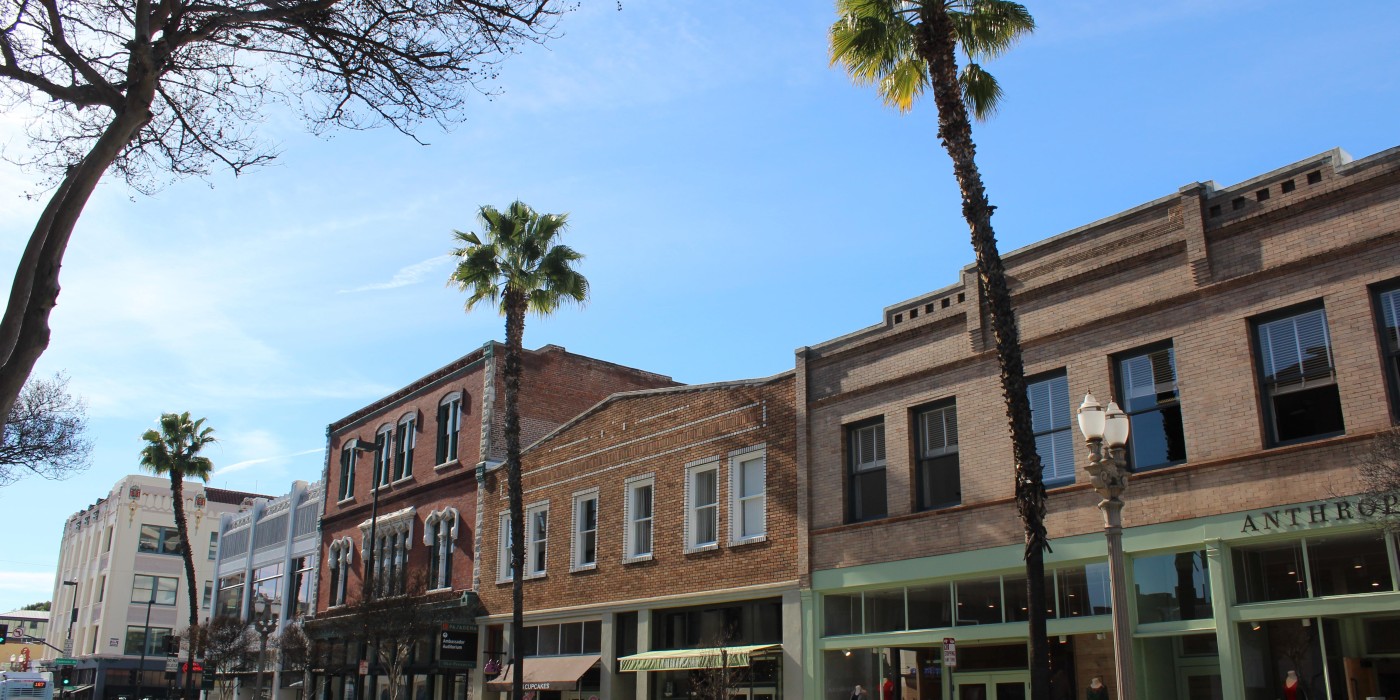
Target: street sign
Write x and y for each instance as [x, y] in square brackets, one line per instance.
[67, 647]
[457, 647]
[950, 652]
[65, 662]
[364, 667]
[172, 665]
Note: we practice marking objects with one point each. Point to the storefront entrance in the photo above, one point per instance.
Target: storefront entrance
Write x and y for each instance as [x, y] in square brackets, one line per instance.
[1005, 685]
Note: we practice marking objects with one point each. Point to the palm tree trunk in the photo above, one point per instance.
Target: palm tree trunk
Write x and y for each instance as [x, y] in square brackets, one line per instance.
[177, 494]
[936, 45]
[515, 330]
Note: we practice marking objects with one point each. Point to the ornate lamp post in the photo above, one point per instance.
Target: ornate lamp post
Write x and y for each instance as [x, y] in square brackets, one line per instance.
[265, 622]
[1106, 434]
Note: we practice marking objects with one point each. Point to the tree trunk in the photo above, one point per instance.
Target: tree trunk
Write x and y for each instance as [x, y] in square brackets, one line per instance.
[24, 328]
[177, 495]
[936, 45]
[515, 328]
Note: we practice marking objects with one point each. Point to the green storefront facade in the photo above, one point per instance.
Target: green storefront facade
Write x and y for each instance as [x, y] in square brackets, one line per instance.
[1221, 607]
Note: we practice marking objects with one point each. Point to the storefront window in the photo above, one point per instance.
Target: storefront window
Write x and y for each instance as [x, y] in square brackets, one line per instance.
[979, 602]
[930, 607]
[1084, 590]
[1172, 587]
[1018, 600]
[1269, 572]
[884, 611]
[1349, 564]
[842, 614]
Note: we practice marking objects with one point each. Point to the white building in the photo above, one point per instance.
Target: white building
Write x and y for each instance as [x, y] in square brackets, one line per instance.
[120, 573]
[270, 552]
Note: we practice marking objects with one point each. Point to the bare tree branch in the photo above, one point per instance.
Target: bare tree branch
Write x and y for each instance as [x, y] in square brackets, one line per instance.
[45, 433]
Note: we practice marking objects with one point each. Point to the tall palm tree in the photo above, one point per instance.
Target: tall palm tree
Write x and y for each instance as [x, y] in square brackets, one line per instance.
[517, 263]
[174, 451]
[905, 47]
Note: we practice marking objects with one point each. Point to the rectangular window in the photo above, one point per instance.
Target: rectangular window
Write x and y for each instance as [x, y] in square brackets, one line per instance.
[137, 640]
[213, 545]
[937, 479]
[159, 540]
[1269, 572]
[866, 447]
[449, 425]
[208, 598]
[1147, 393]
[537, 547]
[586, 530]
[1050, 421]
[1299, 380]
[403, 441]
[230, 600]
[1173, 587]
[702, 506]
[303, 584]
[639, 511]
[1349, 564]
[1084, 590]
[1388, 313]
[506, 570]
[160, 589]
[748, 484]
[347, 473]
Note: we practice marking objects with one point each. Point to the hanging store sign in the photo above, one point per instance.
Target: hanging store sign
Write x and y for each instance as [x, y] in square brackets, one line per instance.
[457, 646]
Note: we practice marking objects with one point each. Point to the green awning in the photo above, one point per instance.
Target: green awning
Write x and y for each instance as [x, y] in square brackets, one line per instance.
[688, 659]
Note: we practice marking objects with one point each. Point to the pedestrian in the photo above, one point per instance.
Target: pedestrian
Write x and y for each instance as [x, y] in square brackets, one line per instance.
[858, 693]
[1097, 690]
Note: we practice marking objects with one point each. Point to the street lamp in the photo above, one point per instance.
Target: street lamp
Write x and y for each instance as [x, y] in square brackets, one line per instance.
[145, 641]
[1108, 475]
[264, 621]
[359, 445]
[72, 620]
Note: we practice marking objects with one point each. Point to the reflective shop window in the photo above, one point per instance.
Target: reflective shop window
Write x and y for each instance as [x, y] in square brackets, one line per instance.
[1084, 590]
[884, 611]
[1269, 572]
[1018, 598]
[979, 602]
[842, 614]
[1349, 564]
[1172, 587]
[930, 607]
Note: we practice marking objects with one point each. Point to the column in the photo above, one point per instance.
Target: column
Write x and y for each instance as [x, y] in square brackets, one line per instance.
[643, 644]
[606, 648]
[1227, 634]
[792, 645]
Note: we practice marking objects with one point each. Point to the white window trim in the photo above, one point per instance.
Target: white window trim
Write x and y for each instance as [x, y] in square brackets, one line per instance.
[343, 472]
[530, 512]
[576, 538]
[441, 524]
[503, 550]
[385, 454]
[409, 435]
[736, 515]
[691, 546]
[628, 487]
[457, 428]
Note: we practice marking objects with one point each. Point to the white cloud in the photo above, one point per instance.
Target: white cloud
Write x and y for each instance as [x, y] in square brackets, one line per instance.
[411, 274]
[240, 466]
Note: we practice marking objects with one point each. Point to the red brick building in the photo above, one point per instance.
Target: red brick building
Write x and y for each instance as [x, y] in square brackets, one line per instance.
[1252, 333]
[661, 525]
[412, 459]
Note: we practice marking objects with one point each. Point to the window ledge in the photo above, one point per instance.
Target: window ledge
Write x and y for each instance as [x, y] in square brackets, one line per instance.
[758, 539]
[439, 588]
[401, 480]
[583, 568]
[343, 501]
[637, 559]
[703, 548]
[446, 465]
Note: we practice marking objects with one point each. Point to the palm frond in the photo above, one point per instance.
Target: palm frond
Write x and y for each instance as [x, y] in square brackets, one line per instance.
[988, 28]
[980, 91]
[517, 251]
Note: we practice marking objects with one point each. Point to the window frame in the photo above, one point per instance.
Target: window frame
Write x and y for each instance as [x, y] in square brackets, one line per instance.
[535, 542]
[347, 473]
[449, 428]
[1266, 395]
[1390, 359]
[736, 497]
[855, 469]
[631, 523]
[1067, 429]
[504, 540]
[920, 452]
[404, 442]
[156, 590]
[692, 522]
[165, 532]
[1120, 395]
[577, 545]
[383, 455]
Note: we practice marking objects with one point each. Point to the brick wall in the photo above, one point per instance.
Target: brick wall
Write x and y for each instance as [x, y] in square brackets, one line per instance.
[655, 433]
[1172, 270]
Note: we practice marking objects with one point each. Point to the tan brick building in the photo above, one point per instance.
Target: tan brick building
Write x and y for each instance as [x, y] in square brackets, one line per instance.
[401, 488]
[661, 526]
[1249, 331]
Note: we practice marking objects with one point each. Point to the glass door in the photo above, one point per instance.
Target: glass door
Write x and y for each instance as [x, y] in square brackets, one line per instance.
[1013, 685]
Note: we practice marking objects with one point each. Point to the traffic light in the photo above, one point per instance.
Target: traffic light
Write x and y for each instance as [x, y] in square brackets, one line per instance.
[172, 645]
[65, 676]
[4, 633]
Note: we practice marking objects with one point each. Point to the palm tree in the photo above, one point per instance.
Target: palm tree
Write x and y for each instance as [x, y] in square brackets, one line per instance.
[520, 265]
[174, 451]
[905, 47]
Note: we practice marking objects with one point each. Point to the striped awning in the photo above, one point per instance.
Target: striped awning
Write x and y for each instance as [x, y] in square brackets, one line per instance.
[546, 673]
[689, 659]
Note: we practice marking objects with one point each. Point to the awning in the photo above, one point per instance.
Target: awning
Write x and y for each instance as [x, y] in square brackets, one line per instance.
[547, 673]
[687, 659]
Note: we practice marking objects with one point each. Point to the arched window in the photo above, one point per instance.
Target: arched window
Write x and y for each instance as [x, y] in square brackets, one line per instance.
[404, 440]
[347, 471]
[449, 427]
[383, 454]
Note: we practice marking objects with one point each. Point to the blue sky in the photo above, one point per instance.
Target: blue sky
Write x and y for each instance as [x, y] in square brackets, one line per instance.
[737, 198]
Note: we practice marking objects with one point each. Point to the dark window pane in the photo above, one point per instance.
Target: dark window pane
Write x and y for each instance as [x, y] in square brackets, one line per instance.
[1298, 377]
[1349, 564]
[884, 611]
[1018, 598]
[1084, 591]
[1307, 413]
[842, 613]
[571, 638]
[939, 485]
[1172, 587]
[868, 495]
[548, 640]
[592, 636]
[529, 642]
[979, 602]
[930, 607]
[1269, 572]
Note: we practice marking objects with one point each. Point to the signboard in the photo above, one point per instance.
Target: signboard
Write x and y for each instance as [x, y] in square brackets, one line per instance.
[364, 667]
[65, 662]
[172, 665]
[207, 682]
[950, 652]
[457, 646]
